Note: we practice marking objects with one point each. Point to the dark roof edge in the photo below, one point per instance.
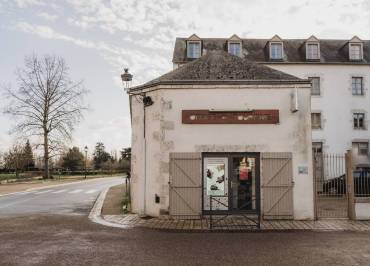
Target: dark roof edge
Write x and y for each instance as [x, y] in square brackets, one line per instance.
[354, 63]
[220, 82]
[283, 39]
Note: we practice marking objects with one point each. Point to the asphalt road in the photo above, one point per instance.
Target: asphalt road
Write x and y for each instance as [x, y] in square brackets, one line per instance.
[50, 227]
[74, 240]
[68, 199]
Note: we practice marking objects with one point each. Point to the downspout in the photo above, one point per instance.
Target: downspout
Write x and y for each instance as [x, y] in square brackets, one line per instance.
[145, 152]
[144, 132]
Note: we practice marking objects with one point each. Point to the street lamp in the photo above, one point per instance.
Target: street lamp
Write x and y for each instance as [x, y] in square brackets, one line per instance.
[126, 78]
[86, 149]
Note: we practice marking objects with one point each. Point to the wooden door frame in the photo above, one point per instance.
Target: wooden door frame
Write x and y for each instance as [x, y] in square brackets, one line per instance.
[229, 156]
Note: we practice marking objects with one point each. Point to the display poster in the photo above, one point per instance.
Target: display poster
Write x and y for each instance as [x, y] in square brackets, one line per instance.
[215, 179]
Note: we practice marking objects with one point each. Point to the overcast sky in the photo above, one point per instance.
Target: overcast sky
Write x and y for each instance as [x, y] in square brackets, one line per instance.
[99, 38]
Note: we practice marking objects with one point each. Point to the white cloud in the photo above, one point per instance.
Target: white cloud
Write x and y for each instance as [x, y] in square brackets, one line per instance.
[27, 3]
[117, 128]
[48, 16]
[141, 34]
[118, 57]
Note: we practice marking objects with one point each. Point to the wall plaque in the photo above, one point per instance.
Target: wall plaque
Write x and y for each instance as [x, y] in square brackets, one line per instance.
[230, 117]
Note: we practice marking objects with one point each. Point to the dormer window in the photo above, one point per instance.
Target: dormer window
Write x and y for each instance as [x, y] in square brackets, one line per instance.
[276, 50]
[312, 51]
[235, 48]
[312, 48]
[355, 51]
[193, 49]
[234, 45]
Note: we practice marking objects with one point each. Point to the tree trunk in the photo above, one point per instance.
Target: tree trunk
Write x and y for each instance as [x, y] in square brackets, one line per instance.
[46, 156]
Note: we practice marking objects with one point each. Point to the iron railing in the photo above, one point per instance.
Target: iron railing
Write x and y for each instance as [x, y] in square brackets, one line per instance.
[224, 218]
[330, 185]
[361, 179]
[330, 175]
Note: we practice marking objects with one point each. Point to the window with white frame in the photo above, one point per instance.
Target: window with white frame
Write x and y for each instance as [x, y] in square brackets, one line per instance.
[362, 148]
[235, 48]
[312, 51]
[358, 120]
[315, 85]
[317, 147]
[276, 50]
[355, 51]
[357, 86]
[193, 49]
[316, 120]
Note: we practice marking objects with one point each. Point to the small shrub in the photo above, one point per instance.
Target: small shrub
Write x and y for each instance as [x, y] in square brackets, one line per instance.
[125, 203]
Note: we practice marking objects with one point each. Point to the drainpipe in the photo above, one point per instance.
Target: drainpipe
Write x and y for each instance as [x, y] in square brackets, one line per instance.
[144, 133]
[147, 101]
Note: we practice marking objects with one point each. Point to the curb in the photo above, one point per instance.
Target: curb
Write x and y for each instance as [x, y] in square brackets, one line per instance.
[51, 186]
[95, 213]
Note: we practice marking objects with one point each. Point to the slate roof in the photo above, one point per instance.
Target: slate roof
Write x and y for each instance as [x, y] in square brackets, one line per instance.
[218, 66]
[256, 50]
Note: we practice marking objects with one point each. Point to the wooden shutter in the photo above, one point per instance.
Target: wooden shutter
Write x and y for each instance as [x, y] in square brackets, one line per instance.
[185, 185]
[277, 185]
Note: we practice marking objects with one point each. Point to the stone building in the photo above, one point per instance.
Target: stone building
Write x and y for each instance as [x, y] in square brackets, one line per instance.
[224, 131]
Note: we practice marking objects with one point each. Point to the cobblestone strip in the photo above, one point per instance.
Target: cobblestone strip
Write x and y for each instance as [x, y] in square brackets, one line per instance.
[231, 224]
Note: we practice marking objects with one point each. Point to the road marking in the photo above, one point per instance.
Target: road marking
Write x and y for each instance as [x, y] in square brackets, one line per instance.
[42, 192]
[22, 193]
[59, 191]
[90, 191]
[97, 179]
[75, 191]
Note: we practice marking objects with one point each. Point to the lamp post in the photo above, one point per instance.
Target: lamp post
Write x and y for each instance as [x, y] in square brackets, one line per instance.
[86, 149]
[126, 78]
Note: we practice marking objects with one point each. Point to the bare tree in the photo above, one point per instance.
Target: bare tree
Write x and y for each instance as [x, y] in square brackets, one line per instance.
[46, 103]
[15, 159]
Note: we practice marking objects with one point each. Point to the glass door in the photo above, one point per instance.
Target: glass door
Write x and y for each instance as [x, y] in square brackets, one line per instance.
[231, 180]
[243, 185]
[215, 183]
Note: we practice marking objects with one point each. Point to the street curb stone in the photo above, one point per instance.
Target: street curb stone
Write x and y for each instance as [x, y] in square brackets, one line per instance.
[95, 213]
[170, 225]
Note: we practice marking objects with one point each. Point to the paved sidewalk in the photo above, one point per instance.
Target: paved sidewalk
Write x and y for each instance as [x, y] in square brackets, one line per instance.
[235, 224]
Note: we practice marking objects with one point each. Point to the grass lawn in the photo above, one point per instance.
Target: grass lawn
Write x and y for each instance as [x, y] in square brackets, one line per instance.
[7, 176]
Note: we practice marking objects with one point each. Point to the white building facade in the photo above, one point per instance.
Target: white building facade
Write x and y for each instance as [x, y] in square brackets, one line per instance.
[340, 74]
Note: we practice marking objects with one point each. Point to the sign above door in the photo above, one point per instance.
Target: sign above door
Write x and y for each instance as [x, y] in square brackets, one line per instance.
[230, 117]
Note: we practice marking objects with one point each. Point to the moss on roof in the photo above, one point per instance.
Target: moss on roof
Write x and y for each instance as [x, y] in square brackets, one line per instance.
[220, 65]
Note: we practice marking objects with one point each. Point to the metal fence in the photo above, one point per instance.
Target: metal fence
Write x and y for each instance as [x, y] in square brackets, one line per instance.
[330, 185]
[361, 179]
[237, 218]
[330, 174]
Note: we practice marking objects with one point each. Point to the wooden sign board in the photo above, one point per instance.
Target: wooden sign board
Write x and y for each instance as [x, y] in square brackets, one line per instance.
[230, 117]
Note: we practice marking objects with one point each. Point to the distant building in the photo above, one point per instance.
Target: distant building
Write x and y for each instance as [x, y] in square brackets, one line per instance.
[340, 75]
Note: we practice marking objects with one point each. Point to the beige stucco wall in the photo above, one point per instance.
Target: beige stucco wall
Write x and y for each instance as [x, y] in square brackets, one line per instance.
[165, 133]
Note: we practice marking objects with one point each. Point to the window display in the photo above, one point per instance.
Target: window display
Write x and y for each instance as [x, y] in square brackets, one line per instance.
[216, 179]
